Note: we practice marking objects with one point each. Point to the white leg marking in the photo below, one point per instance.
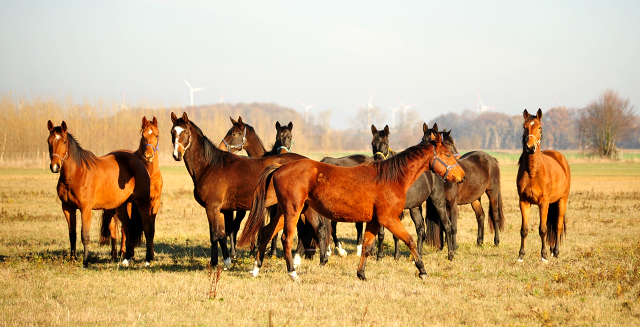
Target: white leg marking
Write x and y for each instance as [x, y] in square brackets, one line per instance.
[255, 270]
[520, 260]
[544, 260]
[294, 276]
[227, 263]
[359, 252]
[125, 263]
[297, 261]
[147, 263]
[342, 252]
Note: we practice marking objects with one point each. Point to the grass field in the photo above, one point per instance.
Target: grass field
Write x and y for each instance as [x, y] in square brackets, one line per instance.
[596, 280]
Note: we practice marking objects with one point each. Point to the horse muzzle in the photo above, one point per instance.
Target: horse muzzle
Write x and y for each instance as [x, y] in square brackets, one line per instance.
[55, 168]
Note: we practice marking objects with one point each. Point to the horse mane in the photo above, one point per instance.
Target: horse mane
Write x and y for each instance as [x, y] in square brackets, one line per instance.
[79, 155]
[212, 154]
[392, 169]
[525, 136]
[250, 129]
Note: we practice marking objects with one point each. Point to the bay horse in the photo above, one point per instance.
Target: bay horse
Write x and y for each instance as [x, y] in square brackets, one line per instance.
[222, 180]
[88, 182]
[482, 176]
[373, 193]
[544, 179]
[147, 152]
[242, 136]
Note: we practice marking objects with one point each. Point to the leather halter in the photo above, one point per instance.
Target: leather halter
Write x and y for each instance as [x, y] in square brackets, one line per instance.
[59, 156]
[435, 157]
[537, 142]
[239, 146]
[283, 147]
[178, 142]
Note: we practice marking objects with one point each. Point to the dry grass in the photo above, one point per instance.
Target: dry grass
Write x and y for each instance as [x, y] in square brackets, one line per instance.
[596, 280]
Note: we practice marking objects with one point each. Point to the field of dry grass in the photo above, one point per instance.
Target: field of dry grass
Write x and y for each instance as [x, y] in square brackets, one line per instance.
[596, 280]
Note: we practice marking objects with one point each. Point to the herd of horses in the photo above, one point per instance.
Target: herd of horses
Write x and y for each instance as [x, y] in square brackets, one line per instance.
[303, 194]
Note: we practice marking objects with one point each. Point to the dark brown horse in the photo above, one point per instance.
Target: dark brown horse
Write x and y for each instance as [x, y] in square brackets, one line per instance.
[482, 176]
[242, 136]
[544, 179]
[372, 193]
[222, 180]
[147, 152]
[88, 182]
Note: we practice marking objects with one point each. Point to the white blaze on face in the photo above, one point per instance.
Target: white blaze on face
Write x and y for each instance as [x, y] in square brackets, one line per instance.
[57, 137]
[176, 132]
[532, 123]
[150, 131]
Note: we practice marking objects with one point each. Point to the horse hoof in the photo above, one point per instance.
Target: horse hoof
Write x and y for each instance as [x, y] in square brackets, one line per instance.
[544, 260]
[342, 252]
[227, 263]
[294, 276]
[254, 272]
[125, 263]
[328, 253]
[297, 261]
[147, 264]
[423, 276]
[520, 260]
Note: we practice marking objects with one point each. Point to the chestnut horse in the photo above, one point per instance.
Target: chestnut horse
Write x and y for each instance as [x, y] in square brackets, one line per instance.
[147, 152]
[88, 182]
[483, 176]
[242, 136]
[222, 180]
[544, 179]
[372, 193]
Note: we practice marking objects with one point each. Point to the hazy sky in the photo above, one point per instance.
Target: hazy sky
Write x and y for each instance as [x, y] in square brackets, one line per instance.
[516, 54]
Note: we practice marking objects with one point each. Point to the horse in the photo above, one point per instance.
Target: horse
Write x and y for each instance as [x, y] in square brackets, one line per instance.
[222, 181]
[373, 193]
[483, 176]
[147, 152]
[88, 182]
[425, 188]
[544, 179]
[243, 136]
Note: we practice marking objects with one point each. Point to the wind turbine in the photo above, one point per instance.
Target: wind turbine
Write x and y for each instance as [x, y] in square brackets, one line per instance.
[122, 106]
[191, 90]
[393, 115]
[306, 109]
[481, 107]
[404, 109]
[222, 97]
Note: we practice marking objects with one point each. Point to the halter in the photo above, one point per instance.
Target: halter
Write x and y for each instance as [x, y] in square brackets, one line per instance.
[239, 146]
[435, 157]
[185, 148]
[155, 149]
[283, 147]
[536, 140]
[59, 156]
[382, 154]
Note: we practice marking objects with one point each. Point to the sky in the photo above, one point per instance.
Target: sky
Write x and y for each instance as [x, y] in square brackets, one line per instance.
[439, 55]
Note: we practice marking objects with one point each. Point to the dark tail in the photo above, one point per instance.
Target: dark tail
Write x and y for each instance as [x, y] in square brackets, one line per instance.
[500, 215]
[135, 226]
[255, 221]
[105, 232]
[552, 225]
[432, 228]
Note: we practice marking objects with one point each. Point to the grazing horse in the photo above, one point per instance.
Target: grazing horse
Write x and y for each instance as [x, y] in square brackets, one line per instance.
[373, 193]
[483, 176]
[544, 178]
[243, 136]
[147, 152]
[88, 182]
[222, 181]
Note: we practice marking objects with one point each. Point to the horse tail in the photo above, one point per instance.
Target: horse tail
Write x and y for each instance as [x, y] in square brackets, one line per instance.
[433, 231]
[500, 214]
[552, 225]
[135, 226]
[255, 221]
[105, 231]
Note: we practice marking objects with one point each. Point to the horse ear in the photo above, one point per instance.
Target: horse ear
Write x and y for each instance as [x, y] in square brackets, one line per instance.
[525, 114]
[290, 126]
[155, 121]
[239, 120]
[539, 114]
[64, 126]
[173, 117]
[145, 122]
[374, 130]
[438, 138]
[386, 129]
[233, 121]
[278, 127]
[425, 127]
[435, 128]
[50, 126]
[185, 117]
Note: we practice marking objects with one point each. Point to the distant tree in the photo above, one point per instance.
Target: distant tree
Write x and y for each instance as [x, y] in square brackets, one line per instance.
[365, 117]
[559, 128]
[605, 122]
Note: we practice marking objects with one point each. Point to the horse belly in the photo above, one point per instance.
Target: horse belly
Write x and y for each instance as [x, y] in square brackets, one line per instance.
[342, 211]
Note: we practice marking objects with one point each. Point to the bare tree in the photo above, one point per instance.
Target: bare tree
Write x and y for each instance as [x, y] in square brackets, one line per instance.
[605, 122]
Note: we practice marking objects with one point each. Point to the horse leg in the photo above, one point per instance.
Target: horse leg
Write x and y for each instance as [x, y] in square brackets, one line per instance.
[373, 228]
[562, 209]
[230, 231]
[268, 232]
[85, 213]
[477, 208]
[416, 216]
[70, 215]
[453, 217]
[216, 233]
[359, 238]
[149, 226]
[525, 208]
[291, 216]
[544, 211]
[336, 241]
[494, 213]
[396, 228]
[380, 242]
[317, 223]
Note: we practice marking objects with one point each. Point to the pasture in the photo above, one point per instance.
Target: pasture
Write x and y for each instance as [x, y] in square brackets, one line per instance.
[595, 281]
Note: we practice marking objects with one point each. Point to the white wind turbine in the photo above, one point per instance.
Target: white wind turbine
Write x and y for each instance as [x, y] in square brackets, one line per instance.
[481, 107]
[404, 109]
[393, 115]
[222, 97]
[122, 105]
[306, 109]
[191, 90]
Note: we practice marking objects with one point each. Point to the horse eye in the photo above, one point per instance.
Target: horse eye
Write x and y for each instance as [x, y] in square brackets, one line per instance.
[448, 155]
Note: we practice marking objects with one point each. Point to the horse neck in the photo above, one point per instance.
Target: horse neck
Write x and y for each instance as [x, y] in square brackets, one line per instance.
[416, 167]
[194, 158]
[533, 162]
[254, 146]
[151, 166]
[70, 170]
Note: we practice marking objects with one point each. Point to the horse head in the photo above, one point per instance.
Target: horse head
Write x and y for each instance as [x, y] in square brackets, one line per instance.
[283, 137]
[180, 135]
[149, 141]
[236, 137]
[532, 134]
[444, 163]
[58, 145]
[380, 143]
